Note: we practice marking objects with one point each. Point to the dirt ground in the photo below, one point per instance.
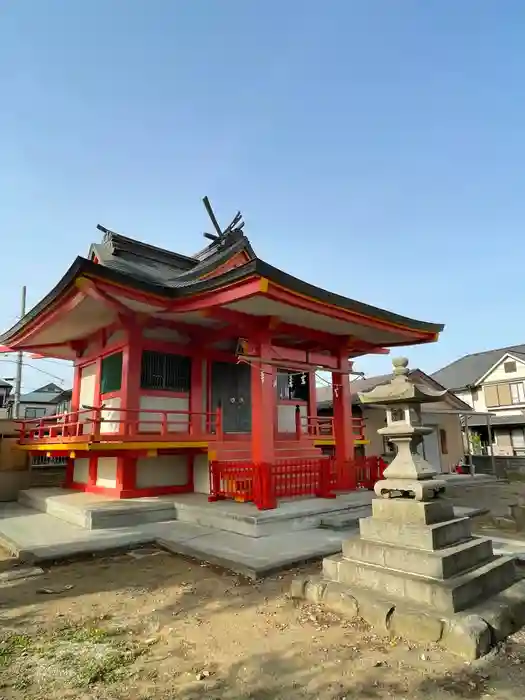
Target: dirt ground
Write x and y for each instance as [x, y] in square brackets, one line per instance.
[146, 624]
[163, 627]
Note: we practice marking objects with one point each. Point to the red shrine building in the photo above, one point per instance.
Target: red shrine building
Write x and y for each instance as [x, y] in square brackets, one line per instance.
[185, 362]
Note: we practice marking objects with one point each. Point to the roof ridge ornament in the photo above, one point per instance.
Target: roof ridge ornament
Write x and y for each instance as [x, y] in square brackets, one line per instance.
[235, 226]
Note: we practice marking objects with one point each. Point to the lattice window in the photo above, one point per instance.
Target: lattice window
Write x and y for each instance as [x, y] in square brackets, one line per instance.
[111, 373]
[165, 372]
[293, 386]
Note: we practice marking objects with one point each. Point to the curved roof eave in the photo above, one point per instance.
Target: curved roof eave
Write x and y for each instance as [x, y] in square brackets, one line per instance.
[253, 267]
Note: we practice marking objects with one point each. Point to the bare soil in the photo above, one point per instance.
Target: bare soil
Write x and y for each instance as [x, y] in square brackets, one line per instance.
[163, 627]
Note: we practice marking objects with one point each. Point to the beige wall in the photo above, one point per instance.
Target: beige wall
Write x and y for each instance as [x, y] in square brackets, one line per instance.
[375, 419]
[14, 464]
[163, 470]
[11, 459]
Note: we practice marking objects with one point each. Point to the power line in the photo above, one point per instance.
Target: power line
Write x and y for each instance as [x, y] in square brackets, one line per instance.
[38, 369]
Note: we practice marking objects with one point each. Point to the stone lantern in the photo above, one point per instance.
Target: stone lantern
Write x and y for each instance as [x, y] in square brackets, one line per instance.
[415, 570]
[409, 475]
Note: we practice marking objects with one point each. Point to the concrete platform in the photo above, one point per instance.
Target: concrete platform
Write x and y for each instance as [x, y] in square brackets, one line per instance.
[36, 537]
[100, 512]
[95, 512]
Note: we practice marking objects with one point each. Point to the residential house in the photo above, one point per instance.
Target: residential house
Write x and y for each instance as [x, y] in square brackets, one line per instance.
[492, 382]
[63, 402]
[443, 447]
[40, 402]
[5, 391]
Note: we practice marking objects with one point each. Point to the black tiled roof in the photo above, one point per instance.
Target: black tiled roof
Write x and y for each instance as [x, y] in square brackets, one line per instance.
[467, 370]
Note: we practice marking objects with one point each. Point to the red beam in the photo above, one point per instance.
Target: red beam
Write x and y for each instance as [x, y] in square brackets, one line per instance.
[92, 290]
[239, 290]
[245, 323]
[62, 307]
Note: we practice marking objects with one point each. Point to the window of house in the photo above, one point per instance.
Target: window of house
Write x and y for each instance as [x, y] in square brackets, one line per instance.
[111, 373]
[509, 367]
[292, 386]
[165, 371]
[517, 438]
[31, 412]
[517, 392]
[475, 394]
[443, 441]
[502, 394]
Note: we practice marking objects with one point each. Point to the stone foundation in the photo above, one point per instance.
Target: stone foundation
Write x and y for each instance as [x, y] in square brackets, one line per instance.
[417, 572]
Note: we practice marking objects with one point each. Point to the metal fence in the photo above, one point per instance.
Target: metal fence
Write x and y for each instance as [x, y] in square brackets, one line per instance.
[505, 467]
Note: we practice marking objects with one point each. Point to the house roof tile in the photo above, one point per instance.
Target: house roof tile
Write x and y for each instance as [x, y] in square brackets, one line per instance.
[467, 370]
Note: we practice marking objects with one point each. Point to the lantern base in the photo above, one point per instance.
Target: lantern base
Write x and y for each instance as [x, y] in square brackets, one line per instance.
[419, 490]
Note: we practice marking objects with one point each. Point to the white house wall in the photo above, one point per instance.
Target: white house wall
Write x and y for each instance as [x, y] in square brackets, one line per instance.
[201, 474]
[107, 472]
[87, 389]
[110, 416]
[286, 418]
[498, 374]
[176, 422]
[81, 470]
[163, 470]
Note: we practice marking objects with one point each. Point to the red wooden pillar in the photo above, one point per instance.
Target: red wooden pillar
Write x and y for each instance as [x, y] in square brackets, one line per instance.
[343, 430]
[312, 403]
[75, 394]
[130, 403]
[264, 397]
[196, 418]
[130, 386]
[126, 475]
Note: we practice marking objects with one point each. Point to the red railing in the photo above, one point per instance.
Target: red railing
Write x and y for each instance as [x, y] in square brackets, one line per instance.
[323, 426]
[263, 484]
[359, 473]
[110, 424]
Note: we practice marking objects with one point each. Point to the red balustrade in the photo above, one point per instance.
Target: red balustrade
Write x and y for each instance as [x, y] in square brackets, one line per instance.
[113, 424]
[263, 484]
[323, 426]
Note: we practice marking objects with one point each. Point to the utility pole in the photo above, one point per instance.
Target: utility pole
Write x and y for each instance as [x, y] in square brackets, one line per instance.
[19, 361]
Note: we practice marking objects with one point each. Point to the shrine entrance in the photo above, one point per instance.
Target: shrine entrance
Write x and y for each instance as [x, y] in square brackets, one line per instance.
[231, 389]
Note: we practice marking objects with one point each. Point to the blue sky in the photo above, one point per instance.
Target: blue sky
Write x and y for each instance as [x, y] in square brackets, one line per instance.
[376, 148]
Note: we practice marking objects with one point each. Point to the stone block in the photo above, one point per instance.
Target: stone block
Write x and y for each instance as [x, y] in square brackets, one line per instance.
[331, 567]
[416, 625]
[418, 489]
[374, 609]
[430, 537]
[505, 612]
[410, 512]
[445, 596]
[314, 589]
[442, 563]
[467, 636]
[339, 599]
[298, 586]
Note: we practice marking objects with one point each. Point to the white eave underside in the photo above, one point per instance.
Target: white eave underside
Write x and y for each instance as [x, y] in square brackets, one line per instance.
[91, 315]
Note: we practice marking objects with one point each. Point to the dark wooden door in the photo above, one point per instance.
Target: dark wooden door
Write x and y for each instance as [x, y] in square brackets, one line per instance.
[231, 388]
